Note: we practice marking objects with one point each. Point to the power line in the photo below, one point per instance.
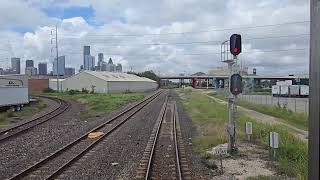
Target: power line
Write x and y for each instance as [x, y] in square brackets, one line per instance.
[203, 31]
[207, 42]
[197, 54]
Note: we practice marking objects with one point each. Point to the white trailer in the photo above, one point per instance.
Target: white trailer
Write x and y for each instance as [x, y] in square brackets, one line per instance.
[275, 90]
[294, 90]
[304, 90]
[14, 97]
[14, 93]
[284, 90]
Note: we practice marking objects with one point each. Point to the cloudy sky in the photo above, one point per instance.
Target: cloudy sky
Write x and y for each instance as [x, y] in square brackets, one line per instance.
[168, 36]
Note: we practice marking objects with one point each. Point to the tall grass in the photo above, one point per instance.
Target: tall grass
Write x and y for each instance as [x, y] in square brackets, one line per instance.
[299, 120]
[210, 118]
[98, 104]
[26, 111]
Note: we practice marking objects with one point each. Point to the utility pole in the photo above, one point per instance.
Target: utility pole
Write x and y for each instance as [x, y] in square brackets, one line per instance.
[57, 56]
[57, 53]
[314, 98]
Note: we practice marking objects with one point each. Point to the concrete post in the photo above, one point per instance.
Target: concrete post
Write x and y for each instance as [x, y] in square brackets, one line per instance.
[314, 99]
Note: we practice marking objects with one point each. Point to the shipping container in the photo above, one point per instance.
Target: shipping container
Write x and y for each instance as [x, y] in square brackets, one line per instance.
[284, 90]
[294, 90]
[275, 90]
[288, 82]
[304, 90]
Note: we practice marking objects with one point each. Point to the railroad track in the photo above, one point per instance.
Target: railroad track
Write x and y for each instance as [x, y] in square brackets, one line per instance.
[164, 156]
[23, 127]
[57, 162]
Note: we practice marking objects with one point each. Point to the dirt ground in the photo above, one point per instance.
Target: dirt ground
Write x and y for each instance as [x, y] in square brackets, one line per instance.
[251, 161]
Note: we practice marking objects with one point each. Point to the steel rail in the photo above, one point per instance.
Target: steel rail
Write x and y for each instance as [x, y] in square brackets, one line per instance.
[176, 141]
[62, 107]
[161, 116]
[65, 148]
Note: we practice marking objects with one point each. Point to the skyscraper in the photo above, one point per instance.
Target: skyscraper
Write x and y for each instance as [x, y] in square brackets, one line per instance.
[110, 66]
[42, 67]
[70, 71]
[119, 68]
[86, 53]
[60, 70]
[31, 71]
[89, 62]
[100, 59]
[29, 63]
[15, 65]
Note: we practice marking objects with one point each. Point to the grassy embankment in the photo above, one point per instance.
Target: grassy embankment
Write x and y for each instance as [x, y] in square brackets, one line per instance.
[98, 104]
[211, 118]
[7, 116]
[299, 120]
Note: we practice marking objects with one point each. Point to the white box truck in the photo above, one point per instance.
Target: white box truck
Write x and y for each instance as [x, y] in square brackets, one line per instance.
[275, 90]
[284, 90]
[294, 90]
[304, 90]
[14, 93]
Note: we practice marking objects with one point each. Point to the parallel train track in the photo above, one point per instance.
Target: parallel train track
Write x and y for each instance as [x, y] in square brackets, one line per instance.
[164, 156]
[23, 127]
[55, 163]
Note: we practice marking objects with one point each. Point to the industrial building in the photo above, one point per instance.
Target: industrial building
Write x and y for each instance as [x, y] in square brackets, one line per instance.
[107, 82]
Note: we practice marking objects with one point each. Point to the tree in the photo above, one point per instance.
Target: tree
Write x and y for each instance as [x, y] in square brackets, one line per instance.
[147, 74]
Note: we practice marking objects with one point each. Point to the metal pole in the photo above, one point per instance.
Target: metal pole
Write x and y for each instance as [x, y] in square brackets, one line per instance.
[314, 100]
[57, 54]
[295, 104]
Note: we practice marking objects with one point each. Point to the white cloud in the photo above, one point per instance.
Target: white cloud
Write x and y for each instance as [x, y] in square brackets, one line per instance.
[153, 17]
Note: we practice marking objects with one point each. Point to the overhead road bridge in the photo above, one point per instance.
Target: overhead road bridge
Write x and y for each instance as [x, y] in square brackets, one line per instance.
[244, 77]
[220, 79]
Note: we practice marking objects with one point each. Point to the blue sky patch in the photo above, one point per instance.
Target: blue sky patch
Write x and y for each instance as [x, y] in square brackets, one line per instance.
[22, 30]
[86, 12]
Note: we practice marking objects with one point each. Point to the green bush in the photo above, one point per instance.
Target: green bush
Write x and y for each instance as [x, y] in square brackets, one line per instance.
[48, 90]
[85, 91]
[73, 92]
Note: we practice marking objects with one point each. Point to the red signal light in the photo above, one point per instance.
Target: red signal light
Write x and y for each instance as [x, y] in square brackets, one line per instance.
[235, 50]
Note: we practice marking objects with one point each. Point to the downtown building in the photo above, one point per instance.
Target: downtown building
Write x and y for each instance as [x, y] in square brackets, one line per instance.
[42, 67]
[30, 70]
[15, 65]
[59, 66]
[88, 60]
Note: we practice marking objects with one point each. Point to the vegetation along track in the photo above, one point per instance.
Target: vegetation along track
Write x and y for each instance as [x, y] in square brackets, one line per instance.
[55, 163]
[164, 156]
[23, 127]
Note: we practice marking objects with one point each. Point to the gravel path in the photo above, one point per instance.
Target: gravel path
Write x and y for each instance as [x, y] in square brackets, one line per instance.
[118, 156]
[25, 150]
[267, 119]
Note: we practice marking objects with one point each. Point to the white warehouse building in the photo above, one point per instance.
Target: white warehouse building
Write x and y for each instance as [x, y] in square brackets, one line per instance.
[108, 82]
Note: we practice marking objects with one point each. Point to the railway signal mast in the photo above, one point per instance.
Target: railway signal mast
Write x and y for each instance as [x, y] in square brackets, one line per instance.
[235, 85]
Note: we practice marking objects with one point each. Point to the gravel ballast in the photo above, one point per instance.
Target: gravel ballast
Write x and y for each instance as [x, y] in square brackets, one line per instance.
[118, 156]
[28, 148]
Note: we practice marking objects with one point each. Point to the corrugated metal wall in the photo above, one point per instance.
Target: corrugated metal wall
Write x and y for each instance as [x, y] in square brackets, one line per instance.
[85, 80]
